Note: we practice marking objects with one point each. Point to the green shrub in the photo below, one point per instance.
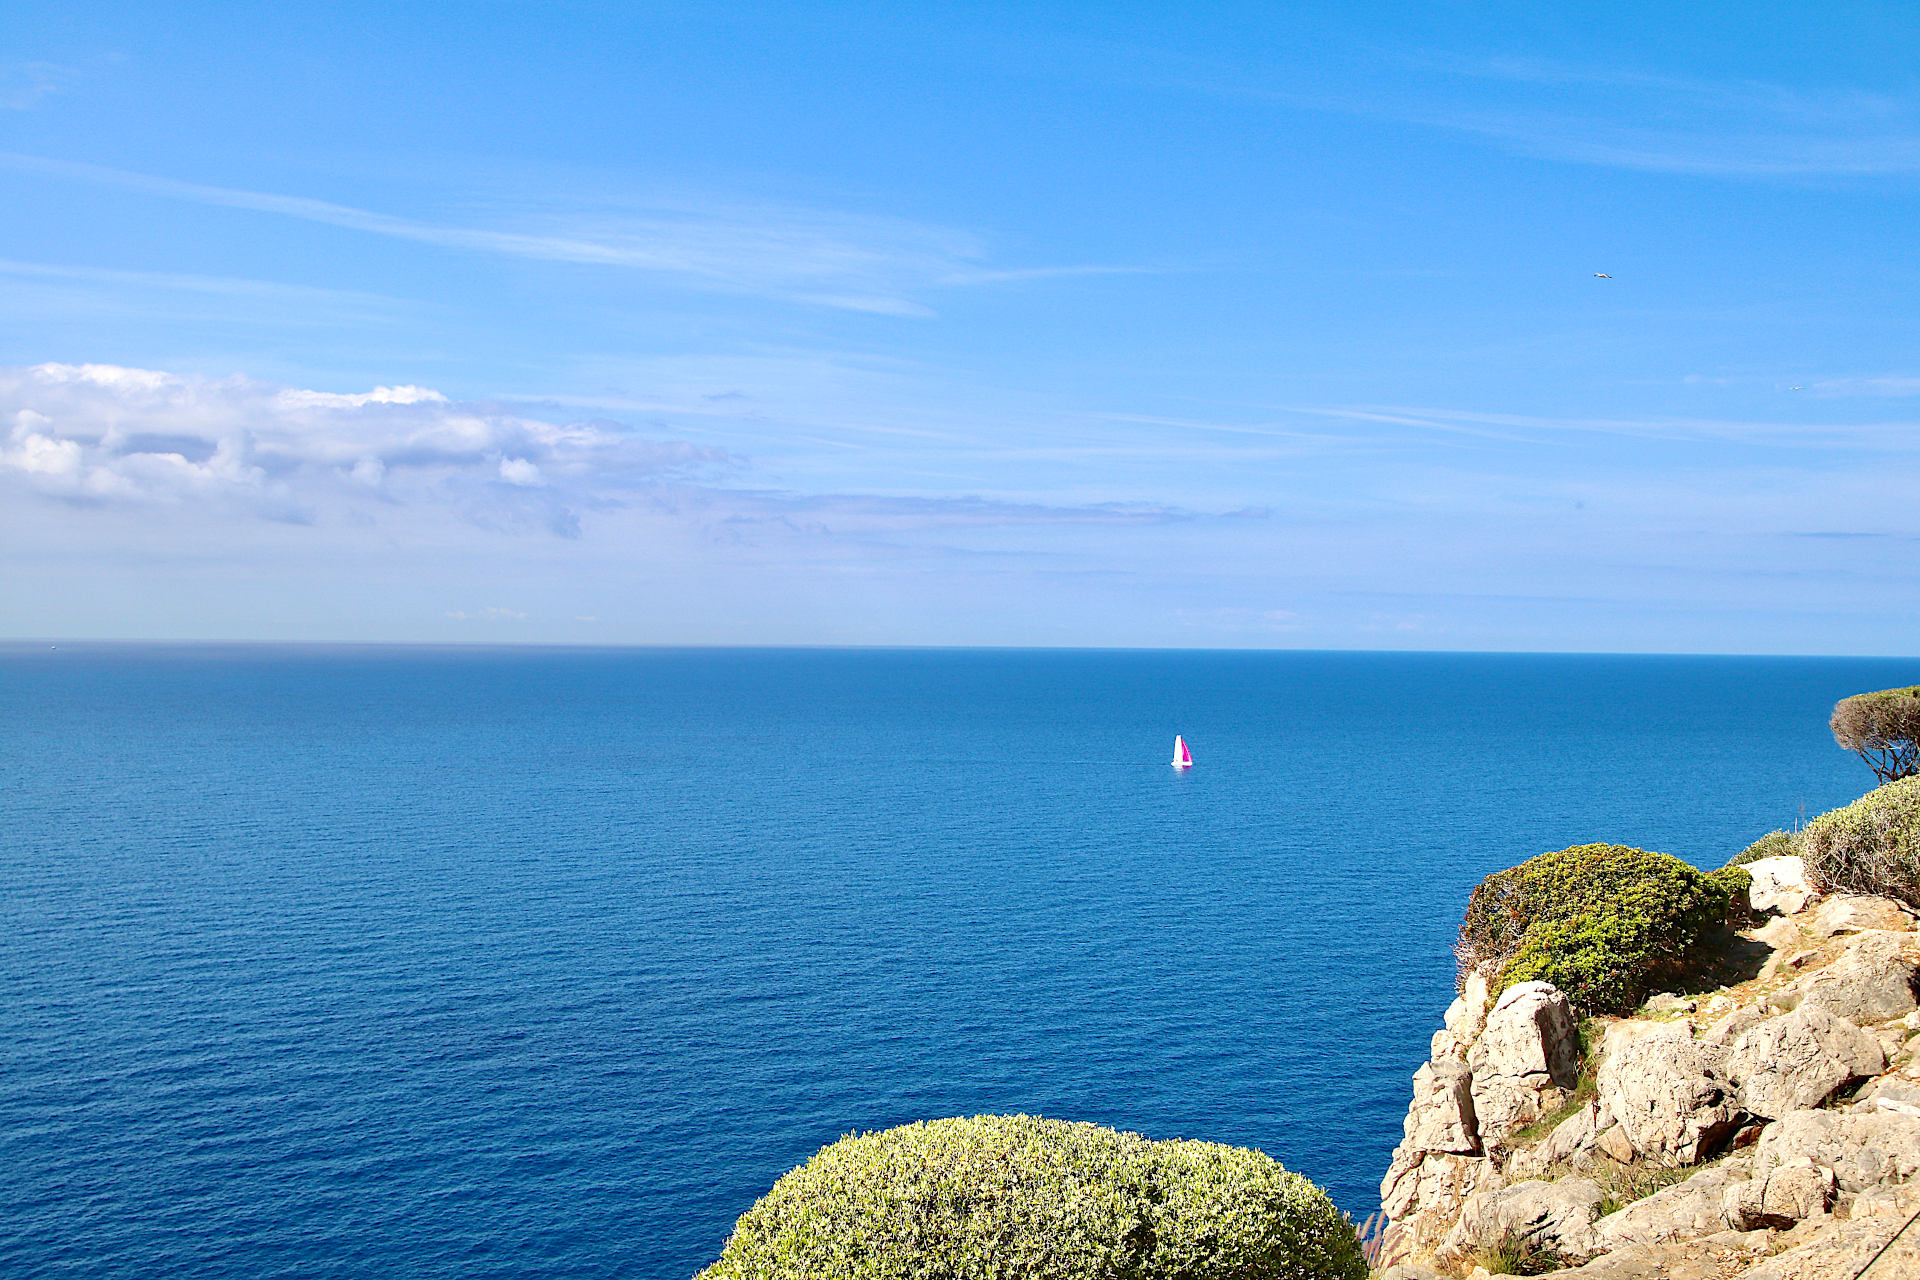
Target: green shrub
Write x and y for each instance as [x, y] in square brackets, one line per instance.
[1018, 1196]
[1871, 846]
[1883, 729]
[1774, 844]
[1515, 1254]
[1602, 922]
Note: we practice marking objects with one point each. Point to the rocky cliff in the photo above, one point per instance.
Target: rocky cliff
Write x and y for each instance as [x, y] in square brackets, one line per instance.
[1768, 1128]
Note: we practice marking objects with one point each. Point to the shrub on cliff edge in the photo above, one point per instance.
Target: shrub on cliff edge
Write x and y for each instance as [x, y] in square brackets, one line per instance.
[1883, 729]
[1603, 922]
[993, 1197]
[1774, 844]
[1870, 846]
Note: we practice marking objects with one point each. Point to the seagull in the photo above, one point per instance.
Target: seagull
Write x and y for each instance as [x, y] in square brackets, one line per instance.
[1601, 275]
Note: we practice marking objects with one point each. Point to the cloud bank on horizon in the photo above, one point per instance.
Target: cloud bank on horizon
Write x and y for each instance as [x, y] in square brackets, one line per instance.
[1362, 328]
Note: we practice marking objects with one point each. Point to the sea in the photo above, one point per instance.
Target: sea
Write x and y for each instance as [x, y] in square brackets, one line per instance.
[516, 962]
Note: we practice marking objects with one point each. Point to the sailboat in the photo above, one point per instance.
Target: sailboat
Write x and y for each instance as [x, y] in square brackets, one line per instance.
[1182, 758]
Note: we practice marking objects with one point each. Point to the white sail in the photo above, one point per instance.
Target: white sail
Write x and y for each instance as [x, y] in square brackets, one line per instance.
[1182, 758]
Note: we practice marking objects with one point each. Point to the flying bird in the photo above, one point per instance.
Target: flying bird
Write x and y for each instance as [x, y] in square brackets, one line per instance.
[1601, 275]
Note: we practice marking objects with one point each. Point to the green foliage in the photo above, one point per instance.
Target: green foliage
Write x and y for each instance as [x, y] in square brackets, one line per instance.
[1518, 1255]
[1774, 844]
[1602, 922]
[1883, 728]
[1625, 1184]
[1870, 846]
[1000, 1197]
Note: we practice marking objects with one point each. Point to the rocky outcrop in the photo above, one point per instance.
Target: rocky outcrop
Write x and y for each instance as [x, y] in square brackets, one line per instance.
[1770, 1130]
[1692, 1208]
[1781, 1197]
[1861, 1150]
[1799, 1059]
[1670, 1094]
[1557, 1216]
[1872, 981]
[1779, 884]
[1857, 914]
[1524, 1061]
[1442, 1117]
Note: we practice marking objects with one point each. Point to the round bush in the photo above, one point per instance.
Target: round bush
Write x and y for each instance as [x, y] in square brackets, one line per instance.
[1603, 922]
[1006, 1197]
[1774, 844]
[1883, 728]
[1870, 846]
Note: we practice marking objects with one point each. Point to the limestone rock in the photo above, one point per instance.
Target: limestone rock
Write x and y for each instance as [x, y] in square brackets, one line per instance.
[1779, 933]
[1779, 884]
[1670, 1094]
[1614, 1144]
[1845, 1249]
[1890, 1093]
[1570, 1139]
[1711, 1258]
[1785, 1195]
[1738, 1023]
[1872, 982]
[1855, 913]
[1559, 1215]
[1862, 1150]
[1441, 1116]
[1798, 1060]
[1528, 1052]
[1423, 1196]
[1430, 1182]
[1680, 1212]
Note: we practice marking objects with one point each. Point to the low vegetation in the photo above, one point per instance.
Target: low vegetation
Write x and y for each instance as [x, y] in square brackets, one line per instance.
[1871, 845]
[1625, 1184]
[1883, 728]
[1774, 844]
[1517, 1255]
[999, 1196]
[1605, 923]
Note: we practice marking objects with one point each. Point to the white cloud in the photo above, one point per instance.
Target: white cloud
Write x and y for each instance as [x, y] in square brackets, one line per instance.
[104, 433]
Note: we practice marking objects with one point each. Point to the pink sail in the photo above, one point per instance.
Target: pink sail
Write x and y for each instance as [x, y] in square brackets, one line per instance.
[1182, 758]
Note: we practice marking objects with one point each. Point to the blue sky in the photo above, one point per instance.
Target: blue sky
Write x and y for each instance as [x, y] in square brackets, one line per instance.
[1213, 325]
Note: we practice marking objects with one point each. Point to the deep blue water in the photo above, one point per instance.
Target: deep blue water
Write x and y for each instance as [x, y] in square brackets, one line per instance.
[413, 962]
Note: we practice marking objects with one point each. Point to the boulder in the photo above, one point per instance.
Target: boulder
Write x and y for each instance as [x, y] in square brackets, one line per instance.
[1856, 913]
[1872, 982]
[1570, 1139]
[1710, 1258]
[1785, 1195]
[1798, 1060]
[1670, 1094]
[1463, 1021]
[1779, 884]
[1680, 1212]
[1441, 1116]
[1862, 1149]
[1614, 1144]
[1846, 1250]
[1558, 1215]
[1892, 1094]
[1738, 1023]
[1431, 1182]
[1528, 1053]
[1423, 1200]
